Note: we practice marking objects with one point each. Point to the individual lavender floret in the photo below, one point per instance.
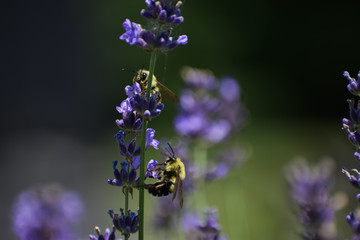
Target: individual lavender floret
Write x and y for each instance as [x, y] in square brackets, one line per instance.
[132, 34]
[210, 109]
[207, 230]
[130, 122]
[130, 151]
[107, 235]
[126, 224]
[152, 165]
[354, 85]
[354, 180]
[309, 190]
[48, 213]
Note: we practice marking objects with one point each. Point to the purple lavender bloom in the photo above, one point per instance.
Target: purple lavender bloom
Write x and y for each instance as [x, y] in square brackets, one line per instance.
[124, 178]
[149, 40]
[354, 180]
[163, 11]
[48, 213]
[152, 165]
[163, 15]
[107, 235]
[130, 122]
[210, 109]
[149, 109]
[150, 140]
[126, 224]
[196, 78]
[131, 91]
[132, 34]
[128, 151]
[354, 85]
[309, 189]
[209, 230]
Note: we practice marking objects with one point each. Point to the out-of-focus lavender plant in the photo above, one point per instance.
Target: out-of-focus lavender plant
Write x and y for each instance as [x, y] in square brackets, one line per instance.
[310, 192]
[352, 127]
[47, 213]
[211, 115]
[207, 229]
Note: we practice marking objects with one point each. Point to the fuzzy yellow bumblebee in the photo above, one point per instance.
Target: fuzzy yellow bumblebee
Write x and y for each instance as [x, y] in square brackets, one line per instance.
[158, 90]
[170, 180]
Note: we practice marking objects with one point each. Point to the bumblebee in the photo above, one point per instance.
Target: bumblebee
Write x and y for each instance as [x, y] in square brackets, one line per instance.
[158, 90]
[170, 180]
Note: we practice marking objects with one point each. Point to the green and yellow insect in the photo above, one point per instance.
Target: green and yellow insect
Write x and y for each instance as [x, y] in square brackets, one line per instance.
[158, 90]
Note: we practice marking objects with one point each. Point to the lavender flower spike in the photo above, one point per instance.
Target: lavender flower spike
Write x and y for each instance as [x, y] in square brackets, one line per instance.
[309, 189]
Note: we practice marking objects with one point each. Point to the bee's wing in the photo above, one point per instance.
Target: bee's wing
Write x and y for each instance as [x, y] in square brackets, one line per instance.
[167, 93]
[181, 199]
[176, 183]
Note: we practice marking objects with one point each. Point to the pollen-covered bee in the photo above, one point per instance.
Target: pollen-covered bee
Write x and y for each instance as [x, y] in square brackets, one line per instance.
[158, 90]
[170, 180]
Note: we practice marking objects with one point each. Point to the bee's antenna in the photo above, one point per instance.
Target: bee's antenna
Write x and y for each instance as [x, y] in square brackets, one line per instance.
[172, 150]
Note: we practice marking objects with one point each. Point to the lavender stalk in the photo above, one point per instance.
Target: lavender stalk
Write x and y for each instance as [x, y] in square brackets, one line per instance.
[142, 152]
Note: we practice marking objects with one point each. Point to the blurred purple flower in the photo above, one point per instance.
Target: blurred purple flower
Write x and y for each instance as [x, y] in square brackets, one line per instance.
[309, 190]
[207, 230]
[229, 158]
[210, 109]
[48, 213]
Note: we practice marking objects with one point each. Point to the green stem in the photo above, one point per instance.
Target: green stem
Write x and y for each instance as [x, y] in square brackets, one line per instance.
[142, 151]
[127, 198]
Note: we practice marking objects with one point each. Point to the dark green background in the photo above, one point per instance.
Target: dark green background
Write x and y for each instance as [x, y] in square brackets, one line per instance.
[62, 76]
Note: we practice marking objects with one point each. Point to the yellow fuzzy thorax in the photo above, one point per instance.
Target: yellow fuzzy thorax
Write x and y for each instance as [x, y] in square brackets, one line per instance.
[172, 167]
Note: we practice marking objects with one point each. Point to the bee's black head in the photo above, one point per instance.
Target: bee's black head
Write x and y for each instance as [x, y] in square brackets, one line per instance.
[143, 76]
[169, 160]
